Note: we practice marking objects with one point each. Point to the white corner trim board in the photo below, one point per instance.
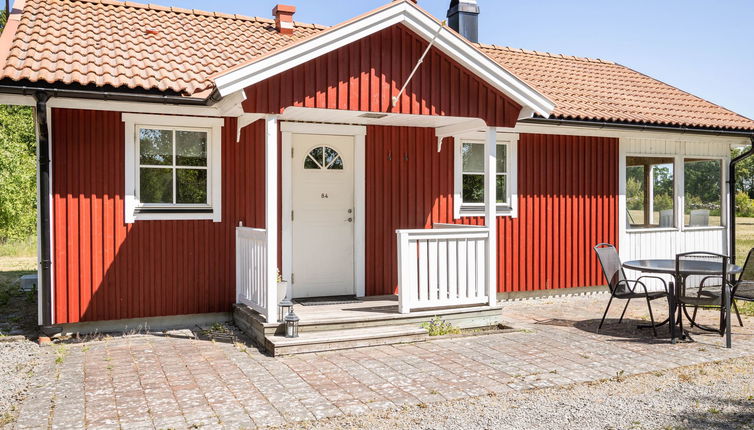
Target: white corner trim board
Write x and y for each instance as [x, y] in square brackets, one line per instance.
[405, 13]
[214, 164]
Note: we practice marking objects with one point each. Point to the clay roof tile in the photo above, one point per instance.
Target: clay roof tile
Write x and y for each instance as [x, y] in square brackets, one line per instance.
[155, 47]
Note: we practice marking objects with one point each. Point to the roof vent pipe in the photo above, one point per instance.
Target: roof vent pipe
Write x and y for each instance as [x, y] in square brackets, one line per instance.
[463, 17]
[284, 18]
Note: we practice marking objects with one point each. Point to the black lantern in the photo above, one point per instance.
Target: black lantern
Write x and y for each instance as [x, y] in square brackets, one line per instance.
[291, 324]
[284, 307]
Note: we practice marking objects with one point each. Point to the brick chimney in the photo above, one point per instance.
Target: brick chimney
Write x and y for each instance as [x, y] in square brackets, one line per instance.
[284, 18]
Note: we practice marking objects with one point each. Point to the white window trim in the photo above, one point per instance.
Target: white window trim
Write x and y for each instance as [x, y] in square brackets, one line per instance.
[679, 192]
[509, 210]
[723, 193]
[214, 142]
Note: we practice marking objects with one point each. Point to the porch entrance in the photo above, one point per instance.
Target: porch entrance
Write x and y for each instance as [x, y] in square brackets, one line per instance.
[322, 215]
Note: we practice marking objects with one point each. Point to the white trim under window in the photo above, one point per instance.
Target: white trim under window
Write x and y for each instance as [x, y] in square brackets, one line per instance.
[509, 206]
[173, 210]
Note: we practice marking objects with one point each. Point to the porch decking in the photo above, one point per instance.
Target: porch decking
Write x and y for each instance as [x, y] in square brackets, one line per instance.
[371, 321]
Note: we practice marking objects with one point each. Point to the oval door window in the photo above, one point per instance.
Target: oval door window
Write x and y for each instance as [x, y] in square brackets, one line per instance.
[323, 158]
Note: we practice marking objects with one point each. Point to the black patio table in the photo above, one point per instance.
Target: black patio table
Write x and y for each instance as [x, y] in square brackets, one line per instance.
[686, 269]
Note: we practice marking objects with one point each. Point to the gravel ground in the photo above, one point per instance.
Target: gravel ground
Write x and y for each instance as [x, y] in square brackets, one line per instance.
[18, 359]
[710, 396]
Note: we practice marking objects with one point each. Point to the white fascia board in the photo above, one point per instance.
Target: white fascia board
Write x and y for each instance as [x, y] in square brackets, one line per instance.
[286, 59]
[17, 100]
[478, 63]
[140, 107]
[402, 12]
[599, 130]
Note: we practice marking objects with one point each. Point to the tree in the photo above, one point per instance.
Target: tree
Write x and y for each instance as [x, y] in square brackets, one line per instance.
[17, 173]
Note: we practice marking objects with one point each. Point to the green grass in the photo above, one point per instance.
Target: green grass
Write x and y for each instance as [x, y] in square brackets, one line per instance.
[745, 308]
[19, 249]
[744, 238]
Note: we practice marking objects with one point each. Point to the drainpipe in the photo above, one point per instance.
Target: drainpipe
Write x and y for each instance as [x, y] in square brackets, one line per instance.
[43, 158]
[732, 198]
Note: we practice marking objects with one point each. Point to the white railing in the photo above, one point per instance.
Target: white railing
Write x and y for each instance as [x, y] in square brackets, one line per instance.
[251, 268]
[442, 267]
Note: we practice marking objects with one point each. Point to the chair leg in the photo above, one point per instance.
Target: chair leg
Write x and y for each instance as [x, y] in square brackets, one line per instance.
[605, 314]
[693, 317]
[723, 318]
[651, 317]
[738, 315]
[624, 311]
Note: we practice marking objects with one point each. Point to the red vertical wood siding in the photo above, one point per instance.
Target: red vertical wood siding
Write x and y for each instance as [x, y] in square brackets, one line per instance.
[105, 269]
[366, 74]
[568, 202]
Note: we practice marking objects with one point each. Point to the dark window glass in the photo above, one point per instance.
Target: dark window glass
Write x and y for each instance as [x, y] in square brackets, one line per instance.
[156, 185]
[155, 147]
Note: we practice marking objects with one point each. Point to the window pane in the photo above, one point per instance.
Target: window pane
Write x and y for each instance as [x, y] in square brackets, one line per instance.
[156, 185]
[191, 186]
[473, 157]
[337, 164]
[309, 163]
[473, 188]
[318, 154]
[502, 159]
[155, 146]
[191, 148]
[703, 193]
[330, 156]
[650, 198]
[502, 189]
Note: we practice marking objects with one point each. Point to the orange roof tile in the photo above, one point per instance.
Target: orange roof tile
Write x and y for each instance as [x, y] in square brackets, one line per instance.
[126, 44]
[151, 47]
[593, 89]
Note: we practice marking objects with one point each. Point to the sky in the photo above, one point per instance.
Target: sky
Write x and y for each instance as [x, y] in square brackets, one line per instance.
[705, 47]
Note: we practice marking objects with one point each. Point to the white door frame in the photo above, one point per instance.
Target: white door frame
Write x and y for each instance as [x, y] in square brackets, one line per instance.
[288, 129]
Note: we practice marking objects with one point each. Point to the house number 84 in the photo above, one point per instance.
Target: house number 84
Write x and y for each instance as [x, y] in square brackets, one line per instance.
[325, 196]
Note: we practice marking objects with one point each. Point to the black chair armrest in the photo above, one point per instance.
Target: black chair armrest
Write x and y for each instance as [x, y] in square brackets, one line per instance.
[627, 282]
[664, 283]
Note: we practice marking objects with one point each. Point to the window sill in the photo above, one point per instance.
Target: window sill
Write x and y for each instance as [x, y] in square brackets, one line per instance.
[177, 214]
[705, 228]
[476, 211]
[651, 230]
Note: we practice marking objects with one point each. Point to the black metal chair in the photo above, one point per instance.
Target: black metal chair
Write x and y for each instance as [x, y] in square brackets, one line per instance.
[743, 287]
[624, 288]
[703, 291]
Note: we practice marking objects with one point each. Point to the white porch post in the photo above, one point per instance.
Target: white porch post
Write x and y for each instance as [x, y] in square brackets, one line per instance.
[490, 212]
[271, 214]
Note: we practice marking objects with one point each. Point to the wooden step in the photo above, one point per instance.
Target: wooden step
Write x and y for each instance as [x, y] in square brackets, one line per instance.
[319, 341]
[472, 317]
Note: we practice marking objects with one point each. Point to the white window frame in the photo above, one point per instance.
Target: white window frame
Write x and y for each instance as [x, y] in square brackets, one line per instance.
[212, 211]
[509, 209]
[677, 191]
[723, 193]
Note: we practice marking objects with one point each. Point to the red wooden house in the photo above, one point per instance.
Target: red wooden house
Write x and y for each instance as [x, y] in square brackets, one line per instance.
[185, 157]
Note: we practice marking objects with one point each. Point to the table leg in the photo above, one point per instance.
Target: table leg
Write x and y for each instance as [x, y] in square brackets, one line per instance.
[727, 299]
[671, 305]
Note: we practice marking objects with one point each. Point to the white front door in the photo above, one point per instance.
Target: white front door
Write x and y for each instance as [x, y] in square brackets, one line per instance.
[323, 215]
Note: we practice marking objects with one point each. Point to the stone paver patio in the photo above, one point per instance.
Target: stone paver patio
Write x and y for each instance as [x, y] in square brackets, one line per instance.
[149, 381]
